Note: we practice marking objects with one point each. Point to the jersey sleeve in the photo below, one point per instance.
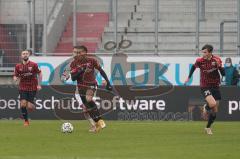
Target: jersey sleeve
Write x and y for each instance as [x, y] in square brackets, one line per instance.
[219, 61]
[197, 63]
[36, 68]
[96, 64]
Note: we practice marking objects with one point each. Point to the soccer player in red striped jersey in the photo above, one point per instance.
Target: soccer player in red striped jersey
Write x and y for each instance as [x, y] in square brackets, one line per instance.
[83, 71]
[29, 77]
[210, 69]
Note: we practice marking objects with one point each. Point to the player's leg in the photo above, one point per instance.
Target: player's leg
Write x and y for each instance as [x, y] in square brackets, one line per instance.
[30, 96]
[23, 105]
[213, 103]
[85, 113]
[216, 95]
[207, 108]
[206, 92]
[211, 114]
[215, 109]
[30, 100]
[94, 112]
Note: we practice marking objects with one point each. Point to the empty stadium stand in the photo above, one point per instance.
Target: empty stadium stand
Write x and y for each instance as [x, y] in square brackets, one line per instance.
[90, 27]
[176, 26]
[135, 22]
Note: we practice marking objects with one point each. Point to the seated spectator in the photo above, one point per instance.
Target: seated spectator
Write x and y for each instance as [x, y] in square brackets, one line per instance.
[238, 69]
[231, 73]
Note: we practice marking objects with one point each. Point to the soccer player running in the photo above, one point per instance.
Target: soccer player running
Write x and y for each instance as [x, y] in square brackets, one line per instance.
[210, 66]
[29, 77]
[85, 111]
[83, 71]
[64, 77]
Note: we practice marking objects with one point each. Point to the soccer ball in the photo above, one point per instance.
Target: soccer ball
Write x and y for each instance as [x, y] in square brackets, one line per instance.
[67, 128]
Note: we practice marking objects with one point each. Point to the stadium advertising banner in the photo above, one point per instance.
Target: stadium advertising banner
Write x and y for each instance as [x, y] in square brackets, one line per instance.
[174, 103]
[124, 69]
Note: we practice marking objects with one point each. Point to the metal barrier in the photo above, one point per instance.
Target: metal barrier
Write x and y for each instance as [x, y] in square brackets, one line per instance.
[222, 34]
[6, 71]
[153, 26]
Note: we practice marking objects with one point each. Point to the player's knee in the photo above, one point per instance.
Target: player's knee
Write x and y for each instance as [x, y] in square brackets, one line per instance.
[23, 103]
[215, 109]
[212, 104]
[89, 98]
[89, 95]
[30, 105]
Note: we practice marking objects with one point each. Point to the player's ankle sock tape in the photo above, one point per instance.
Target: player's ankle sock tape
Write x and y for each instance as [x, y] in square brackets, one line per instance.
[207, 107]
[94, 113]
[214, 115]
[24, 113]
[211, 118]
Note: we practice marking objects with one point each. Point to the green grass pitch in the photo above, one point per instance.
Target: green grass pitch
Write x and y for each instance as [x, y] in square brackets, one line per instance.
[120, 140]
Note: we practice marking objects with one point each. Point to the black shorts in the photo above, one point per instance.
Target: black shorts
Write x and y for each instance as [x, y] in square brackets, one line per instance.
[214, 91]
[28, 95]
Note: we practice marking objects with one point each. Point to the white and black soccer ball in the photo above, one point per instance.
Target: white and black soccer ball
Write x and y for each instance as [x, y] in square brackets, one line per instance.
[67, 128]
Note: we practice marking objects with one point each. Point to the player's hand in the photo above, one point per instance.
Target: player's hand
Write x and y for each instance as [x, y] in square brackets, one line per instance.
[65, 76]
[104, 83]
[109, 87]
[39, 87]
[186, 81]
[15, 78]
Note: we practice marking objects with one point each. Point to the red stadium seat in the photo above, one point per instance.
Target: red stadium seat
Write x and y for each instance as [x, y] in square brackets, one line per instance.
[89, 26]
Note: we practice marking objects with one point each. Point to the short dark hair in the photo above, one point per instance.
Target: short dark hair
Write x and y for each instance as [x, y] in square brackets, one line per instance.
[82, 47]
[208, 47]
[228, 59]
[28, 50]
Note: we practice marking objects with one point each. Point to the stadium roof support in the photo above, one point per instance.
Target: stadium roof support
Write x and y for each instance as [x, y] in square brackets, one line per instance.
[116, 25]
[74, 22]
[238, 28]
[156, 25]
[197, 26]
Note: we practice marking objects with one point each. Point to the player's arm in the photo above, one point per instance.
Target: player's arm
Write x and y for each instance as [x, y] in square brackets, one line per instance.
[15, 78]
[39, 77]
[77, 72]
[65, 75]
[220, 67]
[16, 74]
[104, 75]
[222, 71]
[193, 68]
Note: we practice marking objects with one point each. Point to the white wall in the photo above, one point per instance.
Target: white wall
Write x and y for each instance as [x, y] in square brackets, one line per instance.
[16, 11]
[177, 68]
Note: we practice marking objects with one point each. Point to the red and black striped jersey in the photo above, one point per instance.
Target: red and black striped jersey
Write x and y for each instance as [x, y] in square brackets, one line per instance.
[209, 74]
[27, 74]
[88, 77]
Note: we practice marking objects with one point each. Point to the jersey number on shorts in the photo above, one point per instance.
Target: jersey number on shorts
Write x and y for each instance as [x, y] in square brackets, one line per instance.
[207, 92]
